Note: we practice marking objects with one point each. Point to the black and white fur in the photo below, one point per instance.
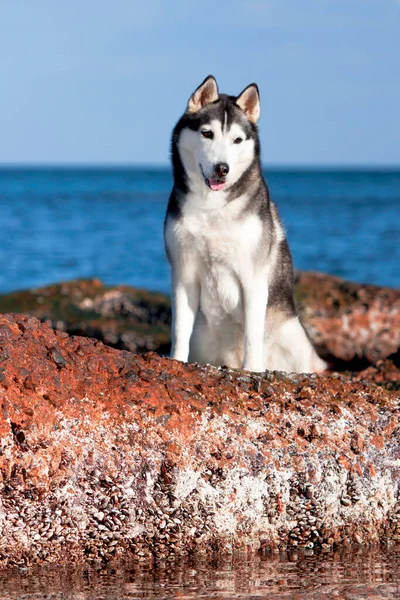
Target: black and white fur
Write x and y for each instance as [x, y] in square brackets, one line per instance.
[231, 267]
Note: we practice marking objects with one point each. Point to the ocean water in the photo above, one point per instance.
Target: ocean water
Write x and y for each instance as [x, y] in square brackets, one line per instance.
[60, 224]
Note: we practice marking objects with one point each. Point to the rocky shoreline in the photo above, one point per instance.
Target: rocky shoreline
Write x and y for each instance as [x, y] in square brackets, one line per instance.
[108, 455]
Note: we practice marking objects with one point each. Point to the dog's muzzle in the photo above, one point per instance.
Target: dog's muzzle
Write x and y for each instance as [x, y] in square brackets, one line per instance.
[217, 184]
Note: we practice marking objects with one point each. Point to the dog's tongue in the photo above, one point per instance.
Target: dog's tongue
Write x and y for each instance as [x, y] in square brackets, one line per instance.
[216, 184]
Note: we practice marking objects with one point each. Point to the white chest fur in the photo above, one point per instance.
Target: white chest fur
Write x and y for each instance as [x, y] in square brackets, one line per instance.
[218, 246]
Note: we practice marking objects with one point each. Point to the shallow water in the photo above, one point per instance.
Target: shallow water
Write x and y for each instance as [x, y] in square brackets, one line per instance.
[347, 574]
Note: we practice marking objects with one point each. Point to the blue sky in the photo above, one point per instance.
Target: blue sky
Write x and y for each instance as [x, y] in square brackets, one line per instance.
[95, 81]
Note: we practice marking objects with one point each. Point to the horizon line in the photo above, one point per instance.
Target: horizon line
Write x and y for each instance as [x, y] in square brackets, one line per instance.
[164, 165]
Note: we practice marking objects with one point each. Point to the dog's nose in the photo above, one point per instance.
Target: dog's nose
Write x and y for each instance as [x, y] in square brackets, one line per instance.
[221, 169]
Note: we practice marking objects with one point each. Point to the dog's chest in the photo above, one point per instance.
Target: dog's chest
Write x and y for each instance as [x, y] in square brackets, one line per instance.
[221, 251]
[218, 239]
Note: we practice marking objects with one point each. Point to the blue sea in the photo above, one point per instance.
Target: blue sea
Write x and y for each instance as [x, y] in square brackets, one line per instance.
[65, 223]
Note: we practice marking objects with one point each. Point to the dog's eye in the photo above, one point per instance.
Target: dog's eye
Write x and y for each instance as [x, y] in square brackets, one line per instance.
[238, 140]
[207, 134]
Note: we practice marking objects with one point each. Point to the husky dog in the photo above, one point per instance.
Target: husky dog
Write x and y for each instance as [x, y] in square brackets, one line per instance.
[231, 267]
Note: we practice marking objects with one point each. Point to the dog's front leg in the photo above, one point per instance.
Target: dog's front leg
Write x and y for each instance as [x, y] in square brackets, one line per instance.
[185, 302]
[255, 295]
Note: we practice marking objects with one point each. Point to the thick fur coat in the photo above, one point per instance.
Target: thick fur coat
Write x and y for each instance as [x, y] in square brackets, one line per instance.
[231, 267]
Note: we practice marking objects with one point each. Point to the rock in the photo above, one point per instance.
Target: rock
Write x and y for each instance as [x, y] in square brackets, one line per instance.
[385, 373]
[351, 325]
[106, 455]
[120, 316]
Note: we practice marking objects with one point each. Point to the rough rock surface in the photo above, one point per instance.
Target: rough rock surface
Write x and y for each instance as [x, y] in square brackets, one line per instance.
[120, 316]
[352, 325]
[105, 454]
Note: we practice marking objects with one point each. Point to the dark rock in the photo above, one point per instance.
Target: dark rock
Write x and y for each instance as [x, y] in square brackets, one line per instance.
[120, 316]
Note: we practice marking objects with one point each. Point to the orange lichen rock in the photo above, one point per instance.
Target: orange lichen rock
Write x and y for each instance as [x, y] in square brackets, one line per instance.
[107, 454]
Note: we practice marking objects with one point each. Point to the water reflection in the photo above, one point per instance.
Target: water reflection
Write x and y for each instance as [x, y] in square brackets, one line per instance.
[343, 575]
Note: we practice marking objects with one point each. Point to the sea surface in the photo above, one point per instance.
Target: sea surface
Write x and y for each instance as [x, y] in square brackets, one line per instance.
[65, 223]
[351, 574]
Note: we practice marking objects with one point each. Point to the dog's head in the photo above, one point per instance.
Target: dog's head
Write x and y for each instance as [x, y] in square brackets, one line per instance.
[216, 138]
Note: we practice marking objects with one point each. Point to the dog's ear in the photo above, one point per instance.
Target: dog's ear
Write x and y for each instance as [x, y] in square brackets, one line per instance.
[249, 102]
[206, 93]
